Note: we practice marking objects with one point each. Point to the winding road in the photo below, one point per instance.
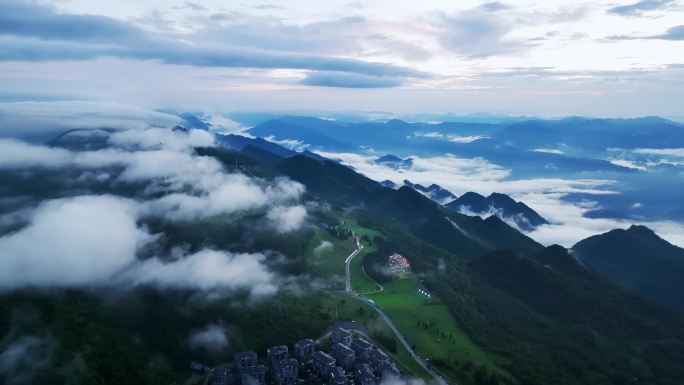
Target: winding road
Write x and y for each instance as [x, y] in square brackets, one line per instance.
[347, 263]
[348, 290]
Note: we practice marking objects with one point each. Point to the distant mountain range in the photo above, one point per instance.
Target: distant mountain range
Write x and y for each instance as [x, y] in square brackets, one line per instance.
[394, 162]
[471, 203]
[498, 204]
[638, 260]
[654, 132]
[434, 191]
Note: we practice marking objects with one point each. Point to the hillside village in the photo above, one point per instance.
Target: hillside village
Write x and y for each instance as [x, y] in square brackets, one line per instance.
[350, 360]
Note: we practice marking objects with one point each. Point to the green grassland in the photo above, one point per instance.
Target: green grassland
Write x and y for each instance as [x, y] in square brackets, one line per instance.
[427, 323]
[343, 307]
[360, 282]
[327, 262]
[430, 327]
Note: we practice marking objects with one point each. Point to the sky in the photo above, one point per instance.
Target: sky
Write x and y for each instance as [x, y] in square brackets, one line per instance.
[544, 58]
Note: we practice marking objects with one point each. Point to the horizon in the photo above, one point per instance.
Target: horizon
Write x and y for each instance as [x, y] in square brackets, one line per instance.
[550, 59]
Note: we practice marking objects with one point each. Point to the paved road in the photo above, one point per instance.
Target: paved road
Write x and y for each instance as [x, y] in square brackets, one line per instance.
[348, 290]
[347, 262]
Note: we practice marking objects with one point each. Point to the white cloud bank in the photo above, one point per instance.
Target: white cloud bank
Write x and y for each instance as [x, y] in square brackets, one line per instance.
[212, 338]
[324, 247]
[76, 241]
[192, 186]
[41, 120]
[208, 269]
[287, 219]
[94, 240]
[544, 195]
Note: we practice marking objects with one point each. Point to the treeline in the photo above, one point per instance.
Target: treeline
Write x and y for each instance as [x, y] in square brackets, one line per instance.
[341, 232]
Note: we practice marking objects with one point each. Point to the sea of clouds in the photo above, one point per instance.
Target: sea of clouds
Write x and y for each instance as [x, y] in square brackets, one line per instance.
[567, 221]
[94, 239]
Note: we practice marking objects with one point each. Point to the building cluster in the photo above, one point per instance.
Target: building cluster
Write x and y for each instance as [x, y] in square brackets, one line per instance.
[351, 361]
[398, 265]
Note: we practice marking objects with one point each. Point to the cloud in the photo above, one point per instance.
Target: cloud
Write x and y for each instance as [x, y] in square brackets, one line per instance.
[571, 226]
[674, 34]
[458, 175]
[44, 22]
[32, 32]
[292, 144]
[323, 247]
[42, 120]
[156, 138]
[227, 193]
[548, 151]
[350, 36]
[25, 49]
[673, 152]
[95, 240]
[181, 185]
[192, 6]
[495, 6]
[15, 153]
[73, 241]
[287, 219]
[346, 80]
[213, 338]
[628, 164]
[544, 195]
[21, 358]
[450, 138]
[640, 7]
[207, 270]
[477, 32]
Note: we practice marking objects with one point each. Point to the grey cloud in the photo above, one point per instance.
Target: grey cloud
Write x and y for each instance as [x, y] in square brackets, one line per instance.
[477, 33]
[191, 5]
[35, 33]
[29, 19]
[346, 80]
[24, 49]
[495, 6]
[22, 356]
[213, 338]
[265, 6]
[341, 35]
[675, 33]
[640, 7]
[41, 120]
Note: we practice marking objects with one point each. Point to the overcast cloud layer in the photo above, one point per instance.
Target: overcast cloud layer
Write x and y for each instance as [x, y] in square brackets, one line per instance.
[521, 57]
